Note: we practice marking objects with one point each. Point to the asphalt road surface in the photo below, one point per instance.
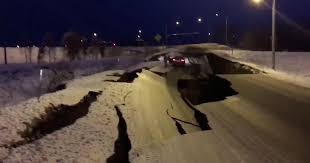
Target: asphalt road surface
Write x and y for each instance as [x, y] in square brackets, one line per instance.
[269, 118]
[265, 120]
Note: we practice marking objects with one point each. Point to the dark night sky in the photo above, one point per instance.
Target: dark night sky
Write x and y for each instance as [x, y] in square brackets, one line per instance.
[120, 19]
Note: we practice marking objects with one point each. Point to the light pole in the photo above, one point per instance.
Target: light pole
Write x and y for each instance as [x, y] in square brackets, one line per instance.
[177, 24]
[273, 42]
[166, 34]
[274, 34]
[226, 28]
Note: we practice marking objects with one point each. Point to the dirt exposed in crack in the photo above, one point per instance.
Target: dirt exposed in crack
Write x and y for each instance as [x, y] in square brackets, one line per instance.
[122, 145]
[55, 118]
[57, 88]
[127, 77]
[199, 91]
[160, 73]
[200, 117]
[222, 66]
[180, 128]
[116, 74]
[178, 125]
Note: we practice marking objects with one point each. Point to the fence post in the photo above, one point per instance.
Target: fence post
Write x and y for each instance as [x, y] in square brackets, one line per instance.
[5, 56]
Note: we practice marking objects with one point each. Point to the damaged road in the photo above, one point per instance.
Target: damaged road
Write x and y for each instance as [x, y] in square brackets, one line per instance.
[145, 116]
[242, 116]
[122, 145]
[55, 118]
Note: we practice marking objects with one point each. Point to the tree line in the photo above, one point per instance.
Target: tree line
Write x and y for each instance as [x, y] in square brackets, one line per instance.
[76, 46]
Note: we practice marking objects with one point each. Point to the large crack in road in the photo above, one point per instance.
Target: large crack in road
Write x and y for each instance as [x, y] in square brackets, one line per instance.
[200, 117]
[122, 145]
[200, 91]
[55, 118]
[127, 77]
[223, 66]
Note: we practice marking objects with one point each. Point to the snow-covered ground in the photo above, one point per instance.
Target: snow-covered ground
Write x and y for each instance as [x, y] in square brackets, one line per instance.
[293, 67]
[70, 144]
[19, 82]
[96, 136]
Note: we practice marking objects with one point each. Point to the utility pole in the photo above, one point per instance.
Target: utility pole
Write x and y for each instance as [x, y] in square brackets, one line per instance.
[273, 41]
[274, 34]
[166, 34]
[226, 38]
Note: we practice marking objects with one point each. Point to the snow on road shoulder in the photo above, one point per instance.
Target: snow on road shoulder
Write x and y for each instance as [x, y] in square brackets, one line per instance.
[292, 67]
[90, 139]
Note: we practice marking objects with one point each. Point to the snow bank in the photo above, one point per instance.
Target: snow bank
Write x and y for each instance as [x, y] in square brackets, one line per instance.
[290, 66]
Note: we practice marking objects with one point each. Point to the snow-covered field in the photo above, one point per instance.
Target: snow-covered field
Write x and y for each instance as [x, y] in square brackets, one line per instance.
[293, 67]
[19, 82]
[70, 144]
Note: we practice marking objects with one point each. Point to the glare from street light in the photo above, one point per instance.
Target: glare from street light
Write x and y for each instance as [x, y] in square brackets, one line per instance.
[140, 31]
[209, 34]
[216, 14]
[18, 46]
[177, 23]
[139, 36]
[199, 20]
[257, 1]
[95, 34]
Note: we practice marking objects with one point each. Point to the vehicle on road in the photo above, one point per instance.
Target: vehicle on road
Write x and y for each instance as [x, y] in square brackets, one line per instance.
[177, 61]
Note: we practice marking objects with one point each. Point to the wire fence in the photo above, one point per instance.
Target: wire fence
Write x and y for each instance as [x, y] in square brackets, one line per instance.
[35, 55]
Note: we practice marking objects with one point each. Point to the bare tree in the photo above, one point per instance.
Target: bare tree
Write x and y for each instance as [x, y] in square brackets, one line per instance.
[49, 42]
[84, 44]
[73, 44]
[41, 53]
[5, 56]
[28, 54]
[97, 47]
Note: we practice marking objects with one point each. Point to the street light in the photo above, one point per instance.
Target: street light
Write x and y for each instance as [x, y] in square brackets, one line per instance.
[273, 30]
[95, 34]
[178, 23]
[257, 1]
[199, 20]
[166, 31]
[226, 26]
[140, 31]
